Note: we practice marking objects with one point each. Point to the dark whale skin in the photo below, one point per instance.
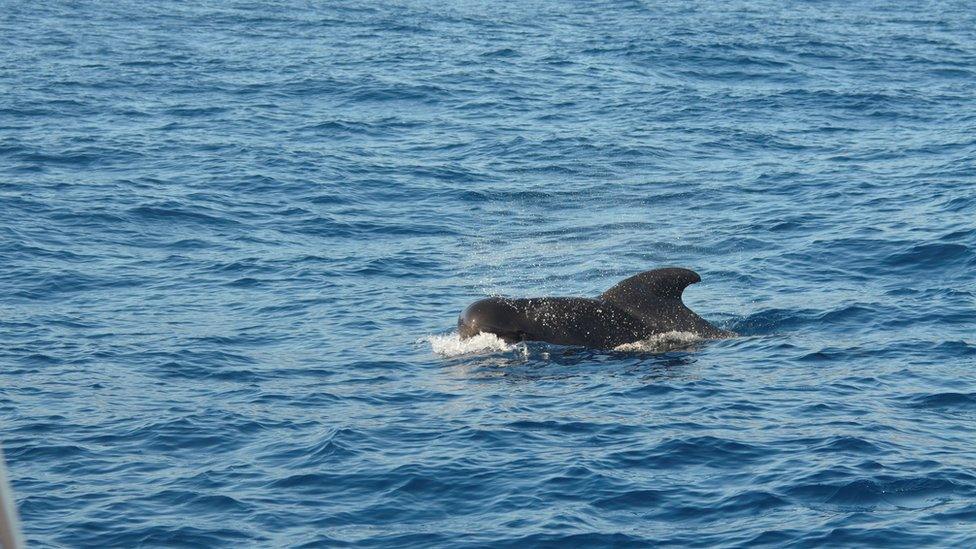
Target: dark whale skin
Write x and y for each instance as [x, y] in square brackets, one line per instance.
[637, 308]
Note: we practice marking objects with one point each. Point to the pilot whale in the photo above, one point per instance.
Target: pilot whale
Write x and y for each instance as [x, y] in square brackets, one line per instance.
[637, 308]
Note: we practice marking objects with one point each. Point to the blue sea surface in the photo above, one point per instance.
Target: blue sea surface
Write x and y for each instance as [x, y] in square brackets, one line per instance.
[235, 238]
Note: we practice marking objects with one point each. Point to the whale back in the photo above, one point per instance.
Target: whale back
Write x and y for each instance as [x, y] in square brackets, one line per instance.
[654, 298]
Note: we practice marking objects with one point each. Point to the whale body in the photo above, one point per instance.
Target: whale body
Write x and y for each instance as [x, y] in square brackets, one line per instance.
[637, 308]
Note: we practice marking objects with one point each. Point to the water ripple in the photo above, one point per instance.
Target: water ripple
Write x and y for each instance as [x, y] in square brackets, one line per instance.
[236, 239]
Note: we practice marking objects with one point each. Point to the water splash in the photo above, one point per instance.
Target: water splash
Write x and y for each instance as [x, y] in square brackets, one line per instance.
[661, 343]
[451, 345]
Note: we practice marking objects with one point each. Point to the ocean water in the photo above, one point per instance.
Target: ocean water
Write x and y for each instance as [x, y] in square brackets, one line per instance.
[235, 238]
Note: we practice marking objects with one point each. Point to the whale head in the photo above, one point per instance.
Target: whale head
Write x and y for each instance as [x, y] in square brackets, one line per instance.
[493, 315]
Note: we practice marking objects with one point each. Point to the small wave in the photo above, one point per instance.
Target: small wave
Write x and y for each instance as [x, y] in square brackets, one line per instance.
[929, 255]
[661, 343]
[771, 321]
[452, 345]
[942, 401]
[870, 494]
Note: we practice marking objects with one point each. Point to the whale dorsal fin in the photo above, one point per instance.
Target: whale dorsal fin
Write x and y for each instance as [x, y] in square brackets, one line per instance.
[648, 292]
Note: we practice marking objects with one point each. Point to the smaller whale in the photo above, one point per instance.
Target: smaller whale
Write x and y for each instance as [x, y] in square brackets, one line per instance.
[637, 308]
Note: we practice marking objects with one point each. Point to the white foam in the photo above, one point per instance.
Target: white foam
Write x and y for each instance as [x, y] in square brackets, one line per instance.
[661, 343]
[452, 345]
